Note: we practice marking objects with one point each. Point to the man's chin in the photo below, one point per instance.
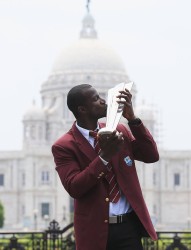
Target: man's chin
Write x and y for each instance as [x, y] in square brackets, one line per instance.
[103, 115]
[103, 119]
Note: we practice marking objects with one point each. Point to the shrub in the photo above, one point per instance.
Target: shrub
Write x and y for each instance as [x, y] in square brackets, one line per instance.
[1, 215]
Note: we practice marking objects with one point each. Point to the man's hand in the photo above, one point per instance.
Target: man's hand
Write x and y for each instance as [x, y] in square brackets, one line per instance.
[110, 144]
[125, 99]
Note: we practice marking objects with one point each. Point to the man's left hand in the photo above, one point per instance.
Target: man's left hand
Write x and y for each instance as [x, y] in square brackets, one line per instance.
[125, 98]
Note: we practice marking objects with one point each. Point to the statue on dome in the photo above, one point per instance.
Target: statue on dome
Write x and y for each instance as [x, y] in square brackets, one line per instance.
[87, 6]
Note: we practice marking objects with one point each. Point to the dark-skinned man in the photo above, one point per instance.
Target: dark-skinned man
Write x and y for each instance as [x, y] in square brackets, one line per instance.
[99, 173]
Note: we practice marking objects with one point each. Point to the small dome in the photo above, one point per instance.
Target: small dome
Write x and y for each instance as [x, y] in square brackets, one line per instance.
[34, 113]
[88, 30]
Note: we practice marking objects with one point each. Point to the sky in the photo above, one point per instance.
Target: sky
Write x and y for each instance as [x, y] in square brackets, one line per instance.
[153, 37]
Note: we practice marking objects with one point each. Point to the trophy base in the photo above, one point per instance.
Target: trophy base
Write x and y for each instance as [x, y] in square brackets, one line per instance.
[105, 132]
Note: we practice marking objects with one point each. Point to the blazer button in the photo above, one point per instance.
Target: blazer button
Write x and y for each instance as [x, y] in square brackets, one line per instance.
[107, 199]
[106, 221]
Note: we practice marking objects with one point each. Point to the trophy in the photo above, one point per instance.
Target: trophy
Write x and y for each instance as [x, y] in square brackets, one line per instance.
[114, 109]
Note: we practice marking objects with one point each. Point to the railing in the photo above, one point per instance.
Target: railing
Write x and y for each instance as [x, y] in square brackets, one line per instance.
[55, 238]
[169, 241]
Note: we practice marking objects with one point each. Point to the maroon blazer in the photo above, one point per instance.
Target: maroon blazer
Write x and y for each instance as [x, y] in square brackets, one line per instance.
[82, 174]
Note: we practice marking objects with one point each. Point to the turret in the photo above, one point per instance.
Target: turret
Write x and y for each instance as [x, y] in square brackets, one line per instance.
[34, 127]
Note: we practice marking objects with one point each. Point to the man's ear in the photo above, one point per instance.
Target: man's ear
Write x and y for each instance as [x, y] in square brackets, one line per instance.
[81, 109]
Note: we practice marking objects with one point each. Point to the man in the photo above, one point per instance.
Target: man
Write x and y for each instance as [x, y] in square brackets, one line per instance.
[101, 221]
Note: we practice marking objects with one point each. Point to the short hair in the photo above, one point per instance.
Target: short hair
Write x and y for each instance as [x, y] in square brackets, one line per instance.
[75, 97]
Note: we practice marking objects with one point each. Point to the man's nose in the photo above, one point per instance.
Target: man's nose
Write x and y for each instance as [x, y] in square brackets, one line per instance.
[102, 101]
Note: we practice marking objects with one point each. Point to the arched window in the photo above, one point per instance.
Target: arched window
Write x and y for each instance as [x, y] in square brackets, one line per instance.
[40, 132]
[33, 132]
[154, 178]
[45, 177]
[2, 180]
[23, 179]
[45, 209]
[27, 132]
[176, 179]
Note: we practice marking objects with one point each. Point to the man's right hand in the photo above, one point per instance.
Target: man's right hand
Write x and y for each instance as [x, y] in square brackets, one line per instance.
[110, 144]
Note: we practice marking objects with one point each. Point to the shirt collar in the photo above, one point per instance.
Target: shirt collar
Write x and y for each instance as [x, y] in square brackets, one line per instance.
[85, 132]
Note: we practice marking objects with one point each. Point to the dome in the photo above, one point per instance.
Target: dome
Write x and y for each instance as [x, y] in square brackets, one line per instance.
[86, 61]
[89, 55]
[34, 113]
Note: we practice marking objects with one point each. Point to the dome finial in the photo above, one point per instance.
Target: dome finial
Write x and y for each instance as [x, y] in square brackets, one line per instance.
[88, 30]
[87, 6]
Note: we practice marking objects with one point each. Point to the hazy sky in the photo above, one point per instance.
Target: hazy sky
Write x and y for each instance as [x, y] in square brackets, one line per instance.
[153, 37]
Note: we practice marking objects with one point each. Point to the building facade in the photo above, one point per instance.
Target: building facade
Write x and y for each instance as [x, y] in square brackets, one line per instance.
[30, 189]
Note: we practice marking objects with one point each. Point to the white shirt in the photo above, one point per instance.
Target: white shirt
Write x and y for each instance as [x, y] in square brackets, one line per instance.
[122, 206]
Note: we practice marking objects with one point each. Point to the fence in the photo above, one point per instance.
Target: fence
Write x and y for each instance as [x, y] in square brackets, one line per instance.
[55, 238]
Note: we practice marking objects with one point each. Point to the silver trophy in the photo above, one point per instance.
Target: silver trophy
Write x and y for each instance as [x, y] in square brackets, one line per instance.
[114, 109]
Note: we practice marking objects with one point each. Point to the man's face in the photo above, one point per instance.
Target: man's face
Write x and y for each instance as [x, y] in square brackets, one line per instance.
[95, 106]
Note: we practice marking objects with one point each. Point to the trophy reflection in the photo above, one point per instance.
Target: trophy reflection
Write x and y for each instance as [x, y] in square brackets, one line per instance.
[114, 109]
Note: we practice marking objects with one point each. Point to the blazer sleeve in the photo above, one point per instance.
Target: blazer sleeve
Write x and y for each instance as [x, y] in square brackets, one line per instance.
[77, 181]
[144, 147]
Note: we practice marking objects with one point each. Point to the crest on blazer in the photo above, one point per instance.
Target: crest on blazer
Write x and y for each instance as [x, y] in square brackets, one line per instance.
[128, 161]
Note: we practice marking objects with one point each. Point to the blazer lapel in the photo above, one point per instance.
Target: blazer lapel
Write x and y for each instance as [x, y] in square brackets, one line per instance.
[83, 145]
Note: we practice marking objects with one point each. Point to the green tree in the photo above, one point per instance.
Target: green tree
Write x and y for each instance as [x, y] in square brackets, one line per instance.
[1, 215]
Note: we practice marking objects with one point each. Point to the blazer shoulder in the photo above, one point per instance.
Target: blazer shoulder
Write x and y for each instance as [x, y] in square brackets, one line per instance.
[64, 139]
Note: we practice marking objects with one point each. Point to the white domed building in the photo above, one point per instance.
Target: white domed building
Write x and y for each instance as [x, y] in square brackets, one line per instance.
[29, 184]
[30, 190]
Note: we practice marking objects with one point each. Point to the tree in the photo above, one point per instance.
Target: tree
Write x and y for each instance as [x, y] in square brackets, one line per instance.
[1, 215]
